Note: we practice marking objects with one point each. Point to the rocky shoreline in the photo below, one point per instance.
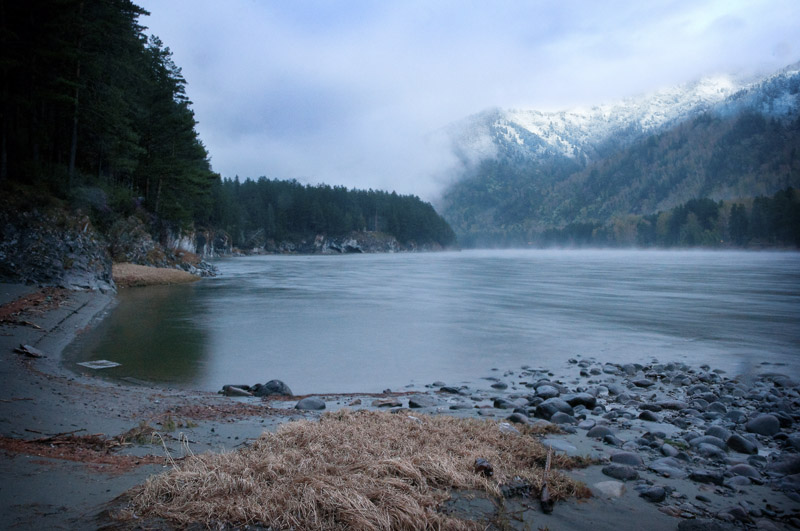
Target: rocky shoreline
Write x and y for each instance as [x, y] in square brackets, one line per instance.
[676, 446]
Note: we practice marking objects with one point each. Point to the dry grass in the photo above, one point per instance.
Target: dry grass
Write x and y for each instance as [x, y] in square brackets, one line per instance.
[132, 275]
[350, 470]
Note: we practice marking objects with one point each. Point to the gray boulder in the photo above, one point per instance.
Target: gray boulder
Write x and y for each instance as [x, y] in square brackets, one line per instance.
[272, 387]
[547, 391]
[311, 403]
[737, 443]
[764, 424]
[580, 399]
[422, 401]
[621, 472]
[551, 406]
[598, 432]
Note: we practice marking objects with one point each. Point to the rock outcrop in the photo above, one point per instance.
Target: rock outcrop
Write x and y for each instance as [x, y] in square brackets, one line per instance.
[53, 247]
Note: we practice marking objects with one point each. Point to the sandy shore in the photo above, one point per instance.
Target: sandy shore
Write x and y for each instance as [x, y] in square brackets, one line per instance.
[58, 482]
[132, 275]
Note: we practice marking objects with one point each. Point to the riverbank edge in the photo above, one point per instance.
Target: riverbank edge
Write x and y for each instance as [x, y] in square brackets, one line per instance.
[44, 397]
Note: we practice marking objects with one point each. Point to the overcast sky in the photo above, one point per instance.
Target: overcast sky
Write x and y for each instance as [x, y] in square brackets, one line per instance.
[351, 92]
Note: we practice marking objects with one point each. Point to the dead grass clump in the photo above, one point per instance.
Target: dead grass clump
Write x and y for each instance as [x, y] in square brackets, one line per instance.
[132, 275]
[350, 470]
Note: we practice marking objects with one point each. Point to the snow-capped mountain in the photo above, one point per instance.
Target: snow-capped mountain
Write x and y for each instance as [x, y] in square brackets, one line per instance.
[721, 138]
[578, 133]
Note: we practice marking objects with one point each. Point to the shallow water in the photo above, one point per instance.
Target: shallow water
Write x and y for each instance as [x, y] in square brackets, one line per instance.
[364, 323]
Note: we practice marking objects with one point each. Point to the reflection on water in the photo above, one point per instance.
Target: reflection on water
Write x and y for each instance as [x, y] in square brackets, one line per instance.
[153, 332]
[368, 322]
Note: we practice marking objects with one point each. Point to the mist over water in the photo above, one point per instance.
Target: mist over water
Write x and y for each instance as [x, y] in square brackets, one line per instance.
[364, 323]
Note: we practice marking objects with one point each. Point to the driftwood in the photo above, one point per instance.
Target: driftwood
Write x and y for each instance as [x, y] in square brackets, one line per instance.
[544, 498]
[29, 351]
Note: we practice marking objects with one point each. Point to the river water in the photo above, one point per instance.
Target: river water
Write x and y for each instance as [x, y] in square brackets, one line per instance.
[364, 323]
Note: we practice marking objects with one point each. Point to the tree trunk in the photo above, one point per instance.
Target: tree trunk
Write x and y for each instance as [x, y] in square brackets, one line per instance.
[158, 195]
[73, 149]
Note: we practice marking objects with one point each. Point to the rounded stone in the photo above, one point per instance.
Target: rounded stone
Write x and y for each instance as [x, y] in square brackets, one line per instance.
[621, 472]
[562, 418]
[549, 407]
[654, 494]
[311, 403]
[598, 432]
[649, 416]
[764, 424]
[627, 458]
[737, 443]
[547, 391]
[272, 387]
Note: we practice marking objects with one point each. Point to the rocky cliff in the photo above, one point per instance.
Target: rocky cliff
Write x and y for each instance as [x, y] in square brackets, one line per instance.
[54, 247]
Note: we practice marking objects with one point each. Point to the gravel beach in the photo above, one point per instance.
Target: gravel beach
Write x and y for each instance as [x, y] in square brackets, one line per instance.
[676, 447]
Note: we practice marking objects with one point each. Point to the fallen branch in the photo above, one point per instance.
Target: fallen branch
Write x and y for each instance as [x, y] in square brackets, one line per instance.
[56, 436]
[544, 499]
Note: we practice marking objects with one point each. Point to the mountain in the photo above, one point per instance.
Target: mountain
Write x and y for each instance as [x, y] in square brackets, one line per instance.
[528, 171]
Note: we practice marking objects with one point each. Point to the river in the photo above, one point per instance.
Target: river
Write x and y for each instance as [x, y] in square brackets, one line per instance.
[364, 323]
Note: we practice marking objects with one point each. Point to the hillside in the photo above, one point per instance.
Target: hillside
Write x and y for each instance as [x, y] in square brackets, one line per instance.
[528, 172]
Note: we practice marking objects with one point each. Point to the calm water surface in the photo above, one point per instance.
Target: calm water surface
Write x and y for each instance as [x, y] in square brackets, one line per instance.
[361, 323]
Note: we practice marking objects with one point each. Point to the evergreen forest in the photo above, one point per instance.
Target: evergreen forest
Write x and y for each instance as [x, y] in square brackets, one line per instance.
[95, 116]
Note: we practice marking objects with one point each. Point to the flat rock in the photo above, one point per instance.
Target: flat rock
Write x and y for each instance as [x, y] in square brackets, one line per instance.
[500, 385]
[311, 403]
[387, 402]
[560, 445]
[669, 467]
[643, 382]
[709, 439]
[609, 489]
[422, 401]
[587, 424]
[232, 390]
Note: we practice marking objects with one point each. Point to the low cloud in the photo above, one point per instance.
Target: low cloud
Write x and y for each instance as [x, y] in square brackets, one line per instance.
[354, 93]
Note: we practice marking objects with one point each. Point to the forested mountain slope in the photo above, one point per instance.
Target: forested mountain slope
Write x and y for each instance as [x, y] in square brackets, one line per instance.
[529, 172]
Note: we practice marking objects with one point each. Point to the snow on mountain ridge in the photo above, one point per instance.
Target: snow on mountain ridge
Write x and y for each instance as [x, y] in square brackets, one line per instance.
[570, 132]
